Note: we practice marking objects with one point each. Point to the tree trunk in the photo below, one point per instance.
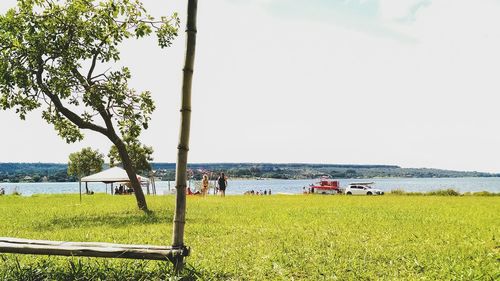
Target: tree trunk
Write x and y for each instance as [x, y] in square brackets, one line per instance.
[183, 148]
[108, 132]
[132, 175]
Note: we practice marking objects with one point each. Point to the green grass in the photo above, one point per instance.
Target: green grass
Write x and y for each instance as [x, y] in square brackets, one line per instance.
[303, 237]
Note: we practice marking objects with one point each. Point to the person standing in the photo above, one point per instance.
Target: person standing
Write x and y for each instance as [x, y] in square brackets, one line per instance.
[204, 185]
[222, 183]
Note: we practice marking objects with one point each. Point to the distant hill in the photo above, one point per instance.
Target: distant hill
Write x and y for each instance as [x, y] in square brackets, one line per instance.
[305, 171]
[56, 172]
[34, 172]
[267, 166]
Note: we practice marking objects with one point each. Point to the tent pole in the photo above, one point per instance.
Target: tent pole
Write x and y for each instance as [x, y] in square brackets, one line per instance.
[80, 185]
[154, 185]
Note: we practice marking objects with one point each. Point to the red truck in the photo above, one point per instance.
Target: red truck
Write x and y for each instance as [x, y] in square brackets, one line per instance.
[325, 186]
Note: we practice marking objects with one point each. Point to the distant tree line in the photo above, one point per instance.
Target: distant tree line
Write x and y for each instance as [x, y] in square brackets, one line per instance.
[34, 172]
[52, 172]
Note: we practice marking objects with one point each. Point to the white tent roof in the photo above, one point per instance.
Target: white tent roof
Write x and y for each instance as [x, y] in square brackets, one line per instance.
[115, 174]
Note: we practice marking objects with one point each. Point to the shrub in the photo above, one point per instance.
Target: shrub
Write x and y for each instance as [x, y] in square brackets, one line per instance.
[441, 192]
[402, 192]
[485, 193]
[415, 193]
[444, 192]
[398, 192]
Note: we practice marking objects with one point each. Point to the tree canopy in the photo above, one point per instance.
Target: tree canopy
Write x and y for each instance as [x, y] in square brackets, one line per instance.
[85, 162]
[50, 56]
[58, 56]
[141, 156]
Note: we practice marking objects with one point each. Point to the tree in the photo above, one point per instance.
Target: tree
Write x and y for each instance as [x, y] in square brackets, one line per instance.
[183, 147]
[84, 163]
[51, 53]
[140, 155]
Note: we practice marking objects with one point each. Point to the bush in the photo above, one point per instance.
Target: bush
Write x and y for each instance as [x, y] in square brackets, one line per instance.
[402, 192]
[441, 192]
[398, 192]
[444, 192]
[415, 193]
[485, 193]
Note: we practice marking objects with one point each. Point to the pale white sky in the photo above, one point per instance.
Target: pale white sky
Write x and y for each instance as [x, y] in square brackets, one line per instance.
[406, 82]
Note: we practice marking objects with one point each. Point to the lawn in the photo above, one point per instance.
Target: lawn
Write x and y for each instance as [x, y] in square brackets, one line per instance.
[279, 237]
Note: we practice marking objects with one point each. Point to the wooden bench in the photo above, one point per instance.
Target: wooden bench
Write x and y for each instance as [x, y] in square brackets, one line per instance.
[90, 249]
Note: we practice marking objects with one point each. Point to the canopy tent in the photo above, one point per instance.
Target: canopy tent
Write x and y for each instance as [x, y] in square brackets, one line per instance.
[111, 175]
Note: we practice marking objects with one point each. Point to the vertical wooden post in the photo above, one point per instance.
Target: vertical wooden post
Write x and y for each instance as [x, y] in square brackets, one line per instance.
[183, 148]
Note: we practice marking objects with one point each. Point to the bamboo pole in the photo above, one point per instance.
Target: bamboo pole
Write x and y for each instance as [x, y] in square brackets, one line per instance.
[183, 148]
[89, 249]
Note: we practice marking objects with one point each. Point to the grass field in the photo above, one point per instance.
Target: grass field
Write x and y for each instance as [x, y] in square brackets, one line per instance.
[277, 237]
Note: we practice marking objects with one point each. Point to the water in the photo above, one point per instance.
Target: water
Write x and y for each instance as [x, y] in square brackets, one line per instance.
[278, 186]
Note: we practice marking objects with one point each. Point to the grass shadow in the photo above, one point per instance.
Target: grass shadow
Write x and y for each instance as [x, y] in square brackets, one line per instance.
[56, 268]
[191, 273]
[115, 220]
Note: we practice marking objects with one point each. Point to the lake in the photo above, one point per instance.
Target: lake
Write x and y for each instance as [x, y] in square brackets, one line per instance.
[278, 186]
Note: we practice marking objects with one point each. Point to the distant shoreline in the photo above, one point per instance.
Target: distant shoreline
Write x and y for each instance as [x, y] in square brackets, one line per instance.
[57, 172]
[408, 186]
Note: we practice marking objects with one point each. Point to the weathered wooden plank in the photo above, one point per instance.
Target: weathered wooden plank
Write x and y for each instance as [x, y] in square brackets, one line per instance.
[85, 244]
[89, 249]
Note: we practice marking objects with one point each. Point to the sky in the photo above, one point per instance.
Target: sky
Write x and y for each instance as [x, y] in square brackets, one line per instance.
[412, 83]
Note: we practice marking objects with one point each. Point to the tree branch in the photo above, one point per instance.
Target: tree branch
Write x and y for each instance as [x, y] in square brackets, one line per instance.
[94, 59]
[106, 117]
[91, 70]
[73, 117]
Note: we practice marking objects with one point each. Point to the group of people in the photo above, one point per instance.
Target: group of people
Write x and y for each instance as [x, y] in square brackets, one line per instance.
[120, 190]
[221, 186]
[252, 192]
